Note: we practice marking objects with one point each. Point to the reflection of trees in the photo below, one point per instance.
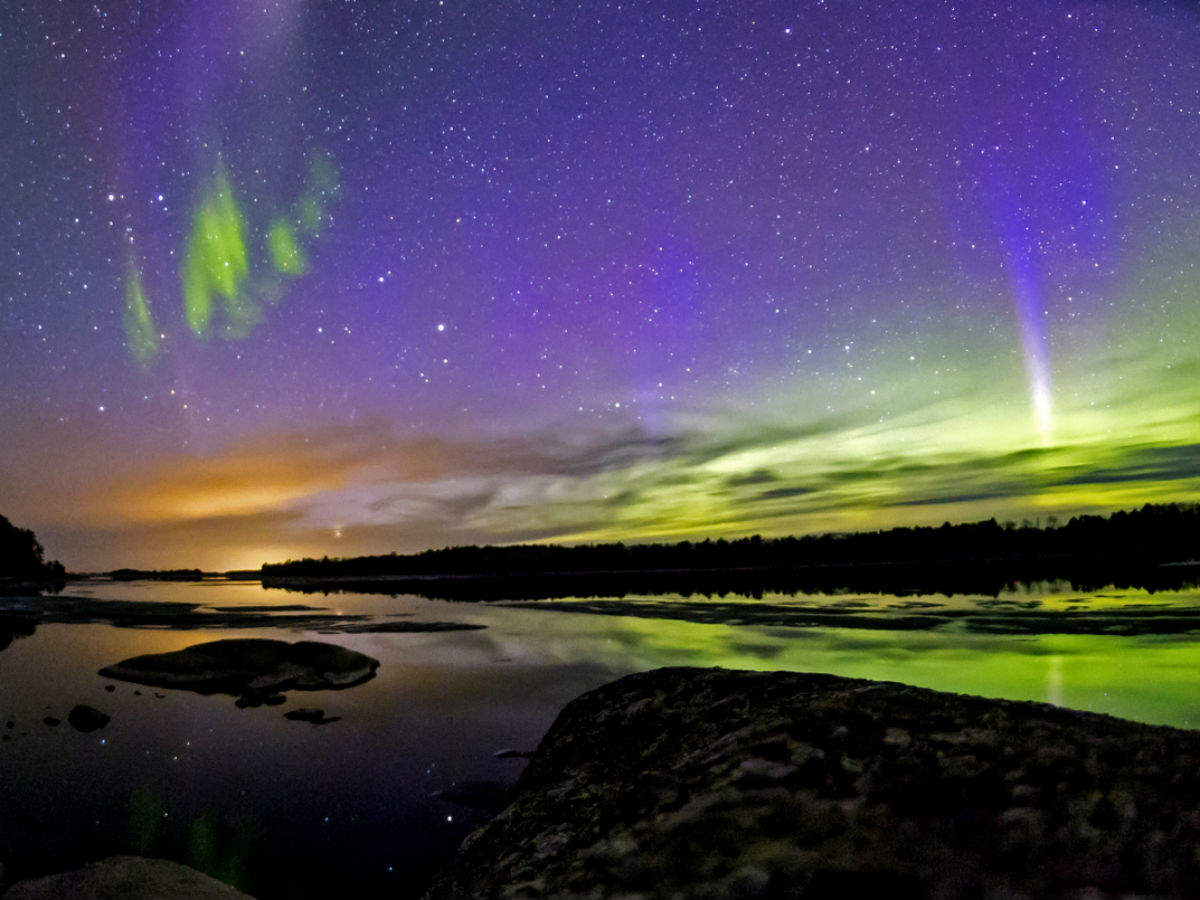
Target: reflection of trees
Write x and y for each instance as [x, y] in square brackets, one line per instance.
[15, 626]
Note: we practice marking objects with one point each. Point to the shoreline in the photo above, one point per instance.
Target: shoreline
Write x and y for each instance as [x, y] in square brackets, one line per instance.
[984, 576]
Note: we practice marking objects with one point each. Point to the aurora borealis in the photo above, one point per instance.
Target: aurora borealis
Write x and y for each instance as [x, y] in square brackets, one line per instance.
[303, 278]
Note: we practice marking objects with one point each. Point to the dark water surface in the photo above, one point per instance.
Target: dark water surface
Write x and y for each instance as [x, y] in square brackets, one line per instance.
[288, 809]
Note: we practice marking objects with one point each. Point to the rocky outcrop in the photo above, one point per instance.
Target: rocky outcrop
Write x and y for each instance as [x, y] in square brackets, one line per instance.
[697, 783]
[128, 878]
[249, 667]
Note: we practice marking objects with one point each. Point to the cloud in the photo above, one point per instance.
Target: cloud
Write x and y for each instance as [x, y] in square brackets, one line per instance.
[346, 490]
[785, 493]
[758, 476]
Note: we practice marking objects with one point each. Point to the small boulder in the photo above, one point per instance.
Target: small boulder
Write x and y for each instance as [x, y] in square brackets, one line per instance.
[128, 877]
[86, 718]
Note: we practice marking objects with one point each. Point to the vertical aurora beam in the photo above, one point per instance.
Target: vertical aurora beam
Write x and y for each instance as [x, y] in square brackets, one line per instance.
[1030, 315]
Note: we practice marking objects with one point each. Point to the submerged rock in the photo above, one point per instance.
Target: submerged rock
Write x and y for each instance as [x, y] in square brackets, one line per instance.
[310, 714]
[86, 718]
[694, 783]
[126, 877]
[256, 699]
[249, 668]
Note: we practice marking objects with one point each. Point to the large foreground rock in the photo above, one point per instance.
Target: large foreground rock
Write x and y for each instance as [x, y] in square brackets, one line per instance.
[126, 878]
[249, 666]
[711, 783]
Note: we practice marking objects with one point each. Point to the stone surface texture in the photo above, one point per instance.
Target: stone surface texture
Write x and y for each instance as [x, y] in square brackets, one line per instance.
[249, 666]
[691, 783]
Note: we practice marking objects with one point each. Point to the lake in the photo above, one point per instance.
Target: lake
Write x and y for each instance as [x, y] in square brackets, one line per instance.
[287, 809]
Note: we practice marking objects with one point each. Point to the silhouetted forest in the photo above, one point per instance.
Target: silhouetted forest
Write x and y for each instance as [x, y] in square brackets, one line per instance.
[22, 559]
[978, 556]
[988, 579]
[155, 574]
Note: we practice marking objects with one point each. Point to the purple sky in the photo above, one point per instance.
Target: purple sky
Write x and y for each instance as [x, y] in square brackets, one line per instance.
[596, 271]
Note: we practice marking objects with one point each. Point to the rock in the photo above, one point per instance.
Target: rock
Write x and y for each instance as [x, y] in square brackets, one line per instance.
[249, 668]
[764, 771]
[695, 783]
[110, 687]
[310, 714]
[86, 718]
[509, 753]
[51, 721]
[128, 878]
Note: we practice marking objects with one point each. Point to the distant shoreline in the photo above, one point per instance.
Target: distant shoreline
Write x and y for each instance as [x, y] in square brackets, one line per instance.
[989, 577]
[1156, 546]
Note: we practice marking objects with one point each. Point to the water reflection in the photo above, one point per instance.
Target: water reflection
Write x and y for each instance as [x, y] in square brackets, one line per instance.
[991, 578]
[1065, 613]
[256, 800]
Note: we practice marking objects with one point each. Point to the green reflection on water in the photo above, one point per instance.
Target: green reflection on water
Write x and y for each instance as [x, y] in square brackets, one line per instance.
[146, 815]
[1146, 677]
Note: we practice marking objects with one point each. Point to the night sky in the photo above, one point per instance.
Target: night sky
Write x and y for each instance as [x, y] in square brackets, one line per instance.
[332, 278]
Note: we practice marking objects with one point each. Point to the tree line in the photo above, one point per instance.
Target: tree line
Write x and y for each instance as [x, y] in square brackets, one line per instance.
[1151, 535]
[23, 559]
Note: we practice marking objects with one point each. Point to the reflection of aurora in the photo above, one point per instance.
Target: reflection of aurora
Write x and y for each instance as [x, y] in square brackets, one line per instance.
[224, 290]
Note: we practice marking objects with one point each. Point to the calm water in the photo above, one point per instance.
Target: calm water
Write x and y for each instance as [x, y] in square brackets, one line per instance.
[286, 809]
